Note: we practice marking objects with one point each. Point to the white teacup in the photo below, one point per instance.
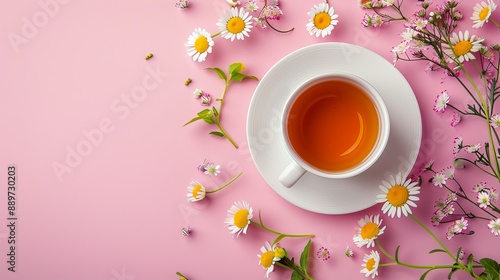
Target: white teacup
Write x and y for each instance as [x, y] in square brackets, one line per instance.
[335, 126]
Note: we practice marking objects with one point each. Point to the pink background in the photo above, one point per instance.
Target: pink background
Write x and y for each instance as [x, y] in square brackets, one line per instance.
[118, 213]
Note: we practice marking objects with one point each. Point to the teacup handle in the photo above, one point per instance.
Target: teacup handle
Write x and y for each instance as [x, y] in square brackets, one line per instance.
[292, 173]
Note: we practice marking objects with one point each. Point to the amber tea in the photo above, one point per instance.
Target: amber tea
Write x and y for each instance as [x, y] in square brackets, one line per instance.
[333, 125]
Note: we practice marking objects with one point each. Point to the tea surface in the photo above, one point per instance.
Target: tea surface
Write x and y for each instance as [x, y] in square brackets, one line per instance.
[333, 125]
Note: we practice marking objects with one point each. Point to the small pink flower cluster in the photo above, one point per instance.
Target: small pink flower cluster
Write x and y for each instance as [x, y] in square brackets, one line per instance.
[204, 97]
[485, 196]
[271, 11]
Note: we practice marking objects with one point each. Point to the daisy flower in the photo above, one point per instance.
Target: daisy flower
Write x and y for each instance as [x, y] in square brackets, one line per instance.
[212, 169]
[495, 120]
[494, 225]
[235, 24]
[196, 191]
[398, 195]
[370, 264]
[462, 46]
[200, 44]
[268, 257]
[322, 20]
[238, 217]
[482, 13]
[369, 229]
[442, 101]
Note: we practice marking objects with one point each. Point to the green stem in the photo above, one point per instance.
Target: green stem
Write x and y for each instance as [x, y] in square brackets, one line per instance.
[226, 135]
[216, 34]
[261, 225]
[226, 184]
[495, 22]
[433, 236]
[410, 265]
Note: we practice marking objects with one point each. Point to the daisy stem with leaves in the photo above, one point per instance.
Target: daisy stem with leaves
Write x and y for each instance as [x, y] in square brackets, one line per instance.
[213, 116]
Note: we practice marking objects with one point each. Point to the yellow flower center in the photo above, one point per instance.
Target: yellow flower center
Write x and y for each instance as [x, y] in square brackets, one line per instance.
[369, 230]
[266, 260]
[196, 190]
[235, 25]
[201, 44]
[398, 195]
[322, 20]
[241, 218]
[484, 13]
[279, 252]
[370, 264]
[462, 48]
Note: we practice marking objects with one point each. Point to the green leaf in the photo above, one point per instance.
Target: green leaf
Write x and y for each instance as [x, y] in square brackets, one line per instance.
[217, 133]
[207, 113]
[453, 270]
[209, 120]
[396, 255]
[296, 276]
[304, 257]
[491, 268]
[238, 77]
[192, 120]
[425, 274]
[235, 68]
[437, 250]
[470, 264]
[219, 72]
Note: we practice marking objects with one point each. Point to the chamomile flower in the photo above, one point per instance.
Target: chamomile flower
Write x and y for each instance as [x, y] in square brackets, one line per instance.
[398, 195]
[370, 264]
[462, 45]
[268, 257]
[200, 44]
[494, 225]
[369, 229]
[235, 24]
[238, 217]
[482, 13]
[495, 120]
[322, 20]
[196, 191]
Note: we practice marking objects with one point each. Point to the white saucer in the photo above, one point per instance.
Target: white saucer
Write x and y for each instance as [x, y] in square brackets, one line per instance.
[267, 146]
